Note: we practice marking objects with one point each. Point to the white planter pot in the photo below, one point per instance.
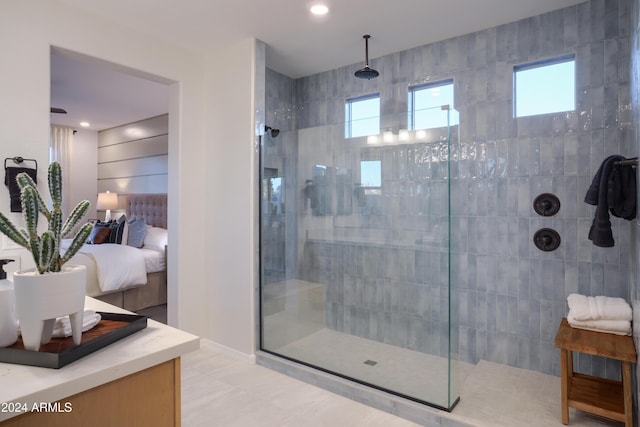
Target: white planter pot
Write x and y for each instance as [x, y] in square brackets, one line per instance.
[8, 325]
[41, 298]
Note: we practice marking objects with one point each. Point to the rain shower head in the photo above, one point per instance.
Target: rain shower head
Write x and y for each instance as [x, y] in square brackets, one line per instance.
[366, 72]
[274, 132]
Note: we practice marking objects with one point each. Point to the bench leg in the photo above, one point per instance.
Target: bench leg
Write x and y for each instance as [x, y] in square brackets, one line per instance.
[626, 387]
[566, 369]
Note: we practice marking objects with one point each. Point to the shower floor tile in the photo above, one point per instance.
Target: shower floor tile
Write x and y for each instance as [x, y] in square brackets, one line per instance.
[414, 374]
[497, 395]
[491, 394]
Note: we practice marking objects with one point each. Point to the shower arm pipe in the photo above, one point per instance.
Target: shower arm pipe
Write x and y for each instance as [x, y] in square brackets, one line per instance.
[366, 50]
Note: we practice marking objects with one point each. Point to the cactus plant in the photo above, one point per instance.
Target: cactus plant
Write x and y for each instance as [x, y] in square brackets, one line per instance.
[45, 249]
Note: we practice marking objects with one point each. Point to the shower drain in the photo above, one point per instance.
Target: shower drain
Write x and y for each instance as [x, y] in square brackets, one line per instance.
[370, 362]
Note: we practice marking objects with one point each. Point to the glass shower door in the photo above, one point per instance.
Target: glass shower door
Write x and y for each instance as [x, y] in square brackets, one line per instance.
[364, 292]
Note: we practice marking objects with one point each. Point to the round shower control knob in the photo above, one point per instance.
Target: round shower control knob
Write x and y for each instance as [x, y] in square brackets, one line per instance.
[546, 204]
[546, 239]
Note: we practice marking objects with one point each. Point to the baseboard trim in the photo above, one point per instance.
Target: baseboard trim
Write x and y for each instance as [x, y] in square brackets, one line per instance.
[228, 351]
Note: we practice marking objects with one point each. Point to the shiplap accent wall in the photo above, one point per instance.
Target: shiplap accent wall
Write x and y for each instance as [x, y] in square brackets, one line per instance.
[133, 158]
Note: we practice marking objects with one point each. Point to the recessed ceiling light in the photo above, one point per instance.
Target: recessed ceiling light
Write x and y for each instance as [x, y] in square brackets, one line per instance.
[85, 124]
[319, 9]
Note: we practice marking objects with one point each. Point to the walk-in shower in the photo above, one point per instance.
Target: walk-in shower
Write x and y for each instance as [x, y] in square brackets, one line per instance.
[355, 273]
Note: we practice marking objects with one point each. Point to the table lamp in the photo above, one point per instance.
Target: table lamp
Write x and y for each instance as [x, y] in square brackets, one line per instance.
[107, 201]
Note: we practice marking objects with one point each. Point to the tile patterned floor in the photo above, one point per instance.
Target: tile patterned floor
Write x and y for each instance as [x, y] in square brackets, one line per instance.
[218, 390]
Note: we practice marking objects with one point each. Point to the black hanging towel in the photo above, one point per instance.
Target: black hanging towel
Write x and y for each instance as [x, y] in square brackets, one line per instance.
[10, 174]
[613, 190]
[621, 190]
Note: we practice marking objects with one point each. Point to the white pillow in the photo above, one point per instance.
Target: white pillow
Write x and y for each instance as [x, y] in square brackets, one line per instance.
[125, 232]
[156, 238]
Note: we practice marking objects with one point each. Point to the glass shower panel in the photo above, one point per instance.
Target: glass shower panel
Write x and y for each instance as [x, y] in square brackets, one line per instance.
[355, 256]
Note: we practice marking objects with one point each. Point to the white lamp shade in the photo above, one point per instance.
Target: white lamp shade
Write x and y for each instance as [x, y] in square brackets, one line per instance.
[107, 201]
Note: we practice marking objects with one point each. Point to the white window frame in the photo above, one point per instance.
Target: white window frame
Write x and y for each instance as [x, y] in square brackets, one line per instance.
[517, 99]
[348, 122]
[436, 108]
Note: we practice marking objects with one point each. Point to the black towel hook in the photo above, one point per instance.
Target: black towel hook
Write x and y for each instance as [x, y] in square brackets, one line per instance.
[19, 160]
[627, 162]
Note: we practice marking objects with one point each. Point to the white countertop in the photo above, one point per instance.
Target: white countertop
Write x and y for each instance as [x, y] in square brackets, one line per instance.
[155, 344]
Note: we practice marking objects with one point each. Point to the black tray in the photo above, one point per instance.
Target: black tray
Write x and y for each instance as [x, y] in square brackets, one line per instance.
[61, 351]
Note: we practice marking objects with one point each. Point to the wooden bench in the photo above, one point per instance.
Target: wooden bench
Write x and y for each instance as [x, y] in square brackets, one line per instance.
[599, 396]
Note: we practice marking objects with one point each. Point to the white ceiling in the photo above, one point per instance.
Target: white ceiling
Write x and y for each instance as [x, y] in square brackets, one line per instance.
[297, 43]
[101, 94]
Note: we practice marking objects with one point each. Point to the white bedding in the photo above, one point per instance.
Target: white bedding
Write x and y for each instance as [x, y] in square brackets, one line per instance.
[116, 267]
[153, 259]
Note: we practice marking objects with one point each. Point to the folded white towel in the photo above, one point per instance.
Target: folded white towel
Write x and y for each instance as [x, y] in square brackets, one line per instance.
[62, 327]
[583, 307]
[618, 327]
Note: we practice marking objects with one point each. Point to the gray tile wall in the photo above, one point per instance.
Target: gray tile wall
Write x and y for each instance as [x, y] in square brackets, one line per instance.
[281, 154]
[280, 109]
[511, 297]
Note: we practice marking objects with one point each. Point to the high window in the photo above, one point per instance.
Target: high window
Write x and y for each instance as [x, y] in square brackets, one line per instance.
[362, 116]
[425, 105]
[544, 87]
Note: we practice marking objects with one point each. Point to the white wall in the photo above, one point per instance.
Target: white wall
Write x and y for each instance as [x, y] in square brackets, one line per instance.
[83, 173]
[230, 200]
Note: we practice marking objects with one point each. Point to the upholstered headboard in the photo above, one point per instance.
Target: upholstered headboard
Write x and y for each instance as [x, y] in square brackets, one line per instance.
[153, 207]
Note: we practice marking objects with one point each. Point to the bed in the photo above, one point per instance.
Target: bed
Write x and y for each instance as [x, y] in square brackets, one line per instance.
[139, 285]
